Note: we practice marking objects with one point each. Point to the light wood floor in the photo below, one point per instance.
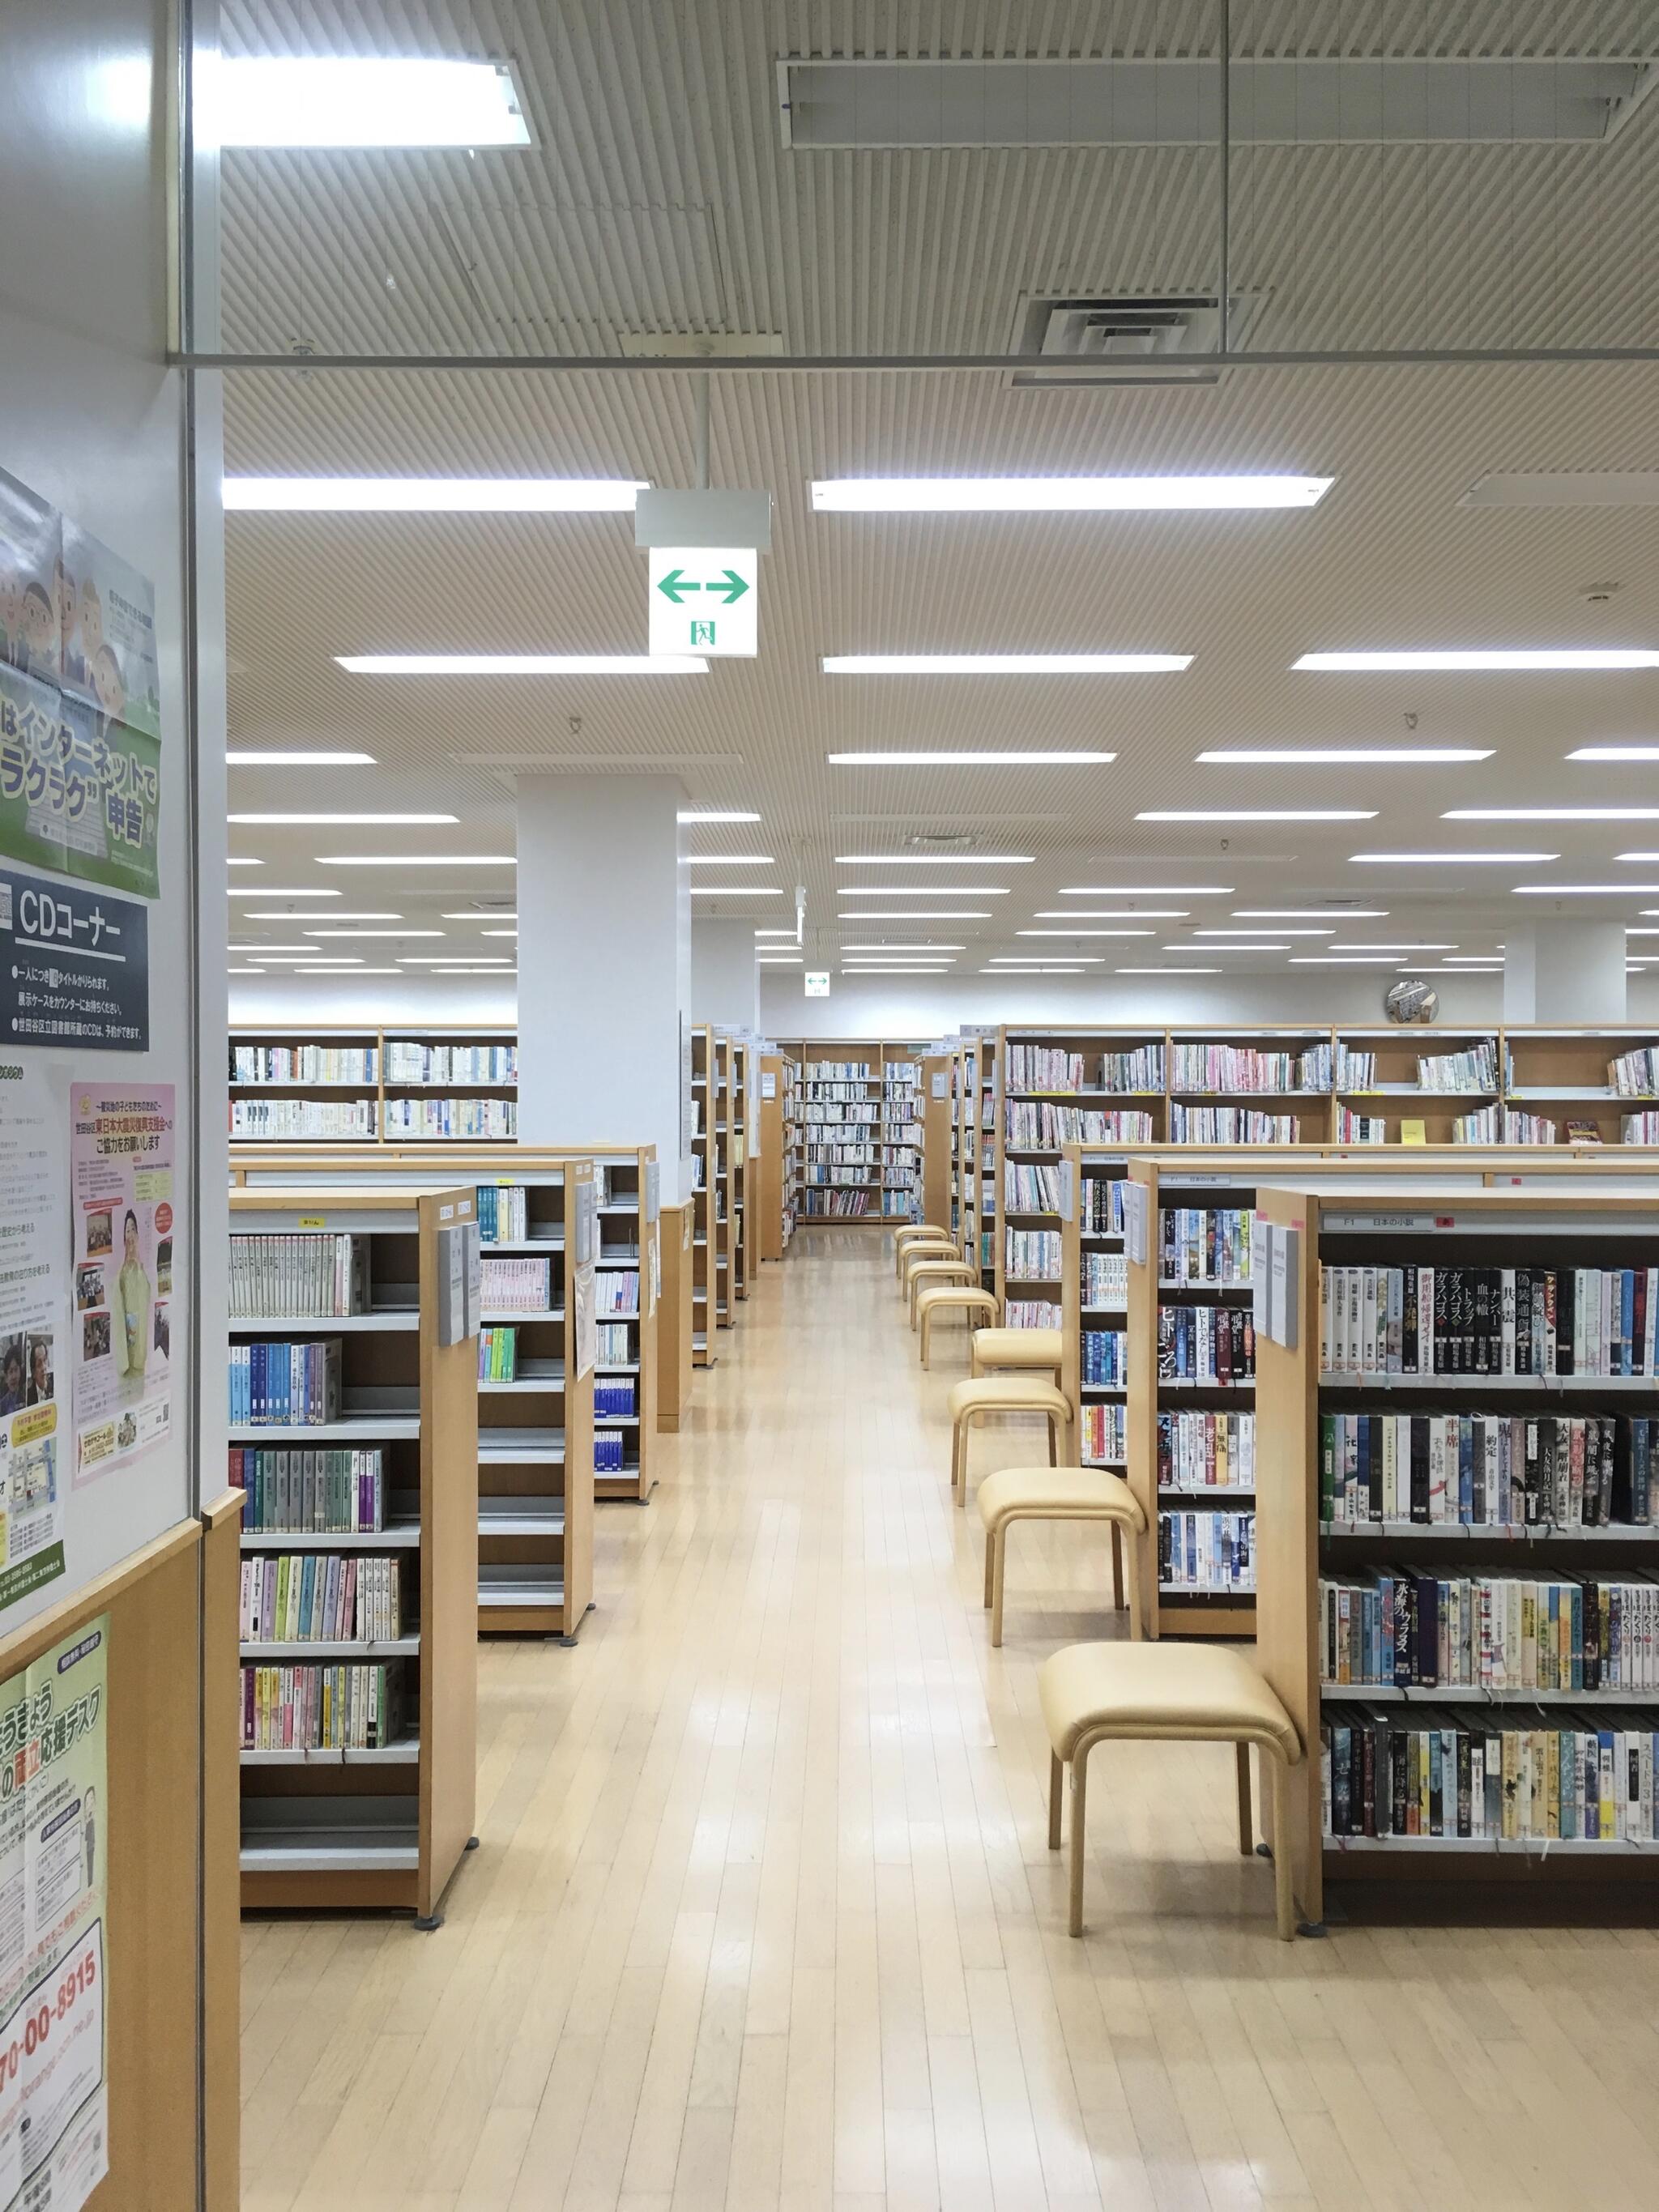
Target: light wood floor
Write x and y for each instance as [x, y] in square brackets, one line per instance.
[763, 1915]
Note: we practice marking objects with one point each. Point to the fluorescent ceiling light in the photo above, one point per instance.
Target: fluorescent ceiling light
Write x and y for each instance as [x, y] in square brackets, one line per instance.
[1213, 949]
[431, 495]
[240, 860]
[271, 890]
[736, 890]
[927, 946]
[893, 971]
[1059, 495]
[715, 814]
[1309, 914]
[967, 759]
[1552, 814]
[252, 951]
[1451, 968]
[917, 914]
[449, 959]
[290, 756]
[933, 860]
[245, 971]
[375, 933]
[323, 913]
[1378, 756]
[342, 821]
[329, 101]
[1083, 933]
[289, 959]
[920, 891]
[333, 968]
[466, 914]
[1444, 860]
[1112, 913]
[1552, 657]
[1642, 857]
[1375, 947]
[1035, 960]
[1583, 890]
[1036, 968]
[1344, 959]
[1145, 890]
[413, 861]
[1006, 663]
[1256, 933]
[1167, 971]
[522, 664]
[1614, 753]
[730, 861]
[1260, 814]
[498, 932]
[774, 932]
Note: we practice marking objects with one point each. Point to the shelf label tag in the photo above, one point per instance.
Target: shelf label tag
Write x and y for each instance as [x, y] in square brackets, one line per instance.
[313, 1221]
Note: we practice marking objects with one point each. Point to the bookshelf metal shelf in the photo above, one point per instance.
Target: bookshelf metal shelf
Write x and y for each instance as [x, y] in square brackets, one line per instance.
[388, 1318]
[326, 1648]
[397, 1536]
[406, 1752]
[1482, 1531]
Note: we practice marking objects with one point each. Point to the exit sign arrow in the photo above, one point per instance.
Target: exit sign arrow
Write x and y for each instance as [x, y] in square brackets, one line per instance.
[731, 586]
[702, 600]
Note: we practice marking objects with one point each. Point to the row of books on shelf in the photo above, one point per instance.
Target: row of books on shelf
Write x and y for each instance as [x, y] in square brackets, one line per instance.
[1101, 1213]
[1543, 1322]
[822, 1175]
[1105, 1356]
[841, 1156]
[614, 1400]
[1244, 1068]
[1032, 1255]
[408, 1061]
[1045, 1068]
[1205, 1344]
[515, 1285]
[312, 1491]
[865, 1112]
[1205, 1243]
[304, 1063]
[830, 1204]
[322, 1708]
[1230, 1125]
[285, 1385]
[1441, 1775]
[297, 1278]
[610, 1452]
[1031, 1313]
[899, 1204]
[282, 1120]
[1104, 1435]
[503, 1212]
[1399, 1629]
[1207, 1554]
[1105, 1278]
[1489, 1470]
[1206, 1451]
[1635, 1074]
[834, 1079]
[485, 1119]
[1033, 1125]
[615, 1348]
[321, 1597]
[616, 1290]
[498, 1353]
[1030, 1190]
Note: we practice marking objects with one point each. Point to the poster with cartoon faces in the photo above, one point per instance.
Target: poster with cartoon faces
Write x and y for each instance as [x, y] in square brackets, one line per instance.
[31, 622]
[108, 632]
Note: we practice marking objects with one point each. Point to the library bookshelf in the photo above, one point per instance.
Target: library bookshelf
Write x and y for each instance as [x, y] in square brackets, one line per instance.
[936, 1114]
[708, 1193]
[778, 1169]
[394, 1483]
[860, 1141]
[629, 1265]
[1523, 1783]
[372, 1086]
[1319, 1086]
[742, 1137]
[725, 1145]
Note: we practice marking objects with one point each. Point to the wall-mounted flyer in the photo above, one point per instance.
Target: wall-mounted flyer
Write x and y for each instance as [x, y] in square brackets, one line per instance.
[73, 966]
[126, 1232]
[34, 1319]
[54, 1851]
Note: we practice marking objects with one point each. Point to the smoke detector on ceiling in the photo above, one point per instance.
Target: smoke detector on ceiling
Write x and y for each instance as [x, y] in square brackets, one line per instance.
[1108, 337]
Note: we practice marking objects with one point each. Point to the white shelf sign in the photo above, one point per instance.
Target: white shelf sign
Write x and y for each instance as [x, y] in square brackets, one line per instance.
[704, 599]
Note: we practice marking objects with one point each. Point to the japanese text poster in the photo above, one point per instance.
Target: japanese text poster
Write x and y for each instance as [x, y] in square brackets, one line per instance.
[126, 1231]
[54, 1850]
[34, 1318]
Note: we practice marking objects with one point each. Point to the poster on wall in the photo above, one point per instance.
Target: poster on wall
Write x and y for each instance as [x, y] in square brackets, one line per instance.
[125, 1233]
[31, 569]
[33, 1319]
[73, 966]
[77, 793]
[108, 621]
[54, 1850]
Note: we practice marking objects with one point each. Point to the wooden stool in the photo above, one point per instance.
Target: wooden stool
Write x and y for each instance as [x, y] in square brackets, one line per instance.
[1025, 1350]
[1001, 1393]
[924, 1274]
[914, 1234]
[1058, 1493]
[1166, 1693]
[967, 1297]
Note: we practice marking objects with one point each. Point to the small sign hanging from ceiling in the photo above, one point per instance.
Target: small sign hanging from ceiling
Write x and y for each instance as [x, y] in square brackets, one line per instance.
[818, 982]
[704, 600]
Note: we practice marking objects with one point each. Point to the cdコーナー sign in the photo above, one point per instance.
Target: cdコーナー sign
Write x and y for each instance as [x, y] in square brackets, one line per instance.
[73, 966]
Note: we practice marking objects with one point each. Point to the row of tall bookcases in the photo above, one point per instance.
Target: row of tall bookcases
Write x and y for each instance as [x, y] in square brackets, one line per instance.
[372, 1086]
[725, 1101]
[1160, 1342]
[1457, 1553]
[971, 1139]
[1365, 1090]
[861, 1135]
[779, 1164]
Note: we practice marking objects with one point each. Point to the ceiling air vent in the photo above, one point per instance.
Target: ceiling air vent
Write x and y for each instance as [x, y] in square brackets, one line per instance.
[1107, 337]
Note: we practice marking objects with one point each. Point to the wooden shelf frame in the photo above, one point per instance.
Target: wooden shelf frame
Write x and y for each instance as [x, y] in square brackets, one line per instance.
[1337, 1223]
[422, 1817]
[380, 1089]
[877, 1056]
[938, 1109]
[707, 1231]
[778, 1176]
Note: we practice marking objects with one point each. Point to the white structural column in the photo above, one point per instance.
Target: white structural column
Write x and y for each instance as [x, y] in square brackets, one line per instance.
[725, 981]
[605, 965]
[1565, 971]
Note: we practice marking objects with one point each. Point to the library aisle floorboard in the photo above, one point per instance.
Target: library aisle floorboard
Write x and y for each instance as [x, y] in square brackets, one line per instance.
[763, 1916]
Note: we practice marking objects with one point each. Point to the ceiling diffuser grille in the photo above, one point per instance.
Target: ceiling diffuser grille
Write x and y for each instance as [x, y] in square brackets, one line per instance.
[1105, 337]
